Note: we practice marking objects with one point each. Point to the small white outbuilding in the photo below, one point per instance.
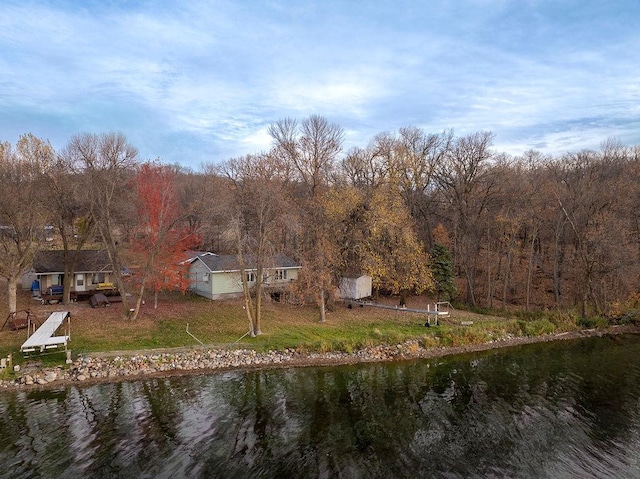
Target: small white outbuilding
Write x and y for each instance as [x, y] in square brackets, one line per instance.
[357, 287]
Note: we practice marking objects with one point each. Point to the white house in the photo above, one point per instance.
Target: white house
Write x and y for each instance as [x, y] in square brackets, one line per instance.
[218, 276]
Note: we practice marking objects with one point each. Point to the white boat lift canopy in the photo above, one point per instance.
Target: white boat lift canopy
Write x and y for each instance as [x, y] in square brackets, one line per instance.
[43, 338]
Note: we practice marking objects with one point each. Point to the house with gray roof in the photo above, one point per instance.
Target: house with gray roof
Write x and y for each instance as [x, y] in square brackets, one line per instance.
[92, 269]
[218, 276]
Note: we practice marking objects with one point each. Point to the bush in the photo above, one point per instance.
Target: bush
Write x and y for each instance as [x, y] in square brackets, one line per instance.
[591, 322]
[630, 317]
[562, 320]
[428, 341]
[482, 310]
[538, 328]
[466, 336]
[444, 339]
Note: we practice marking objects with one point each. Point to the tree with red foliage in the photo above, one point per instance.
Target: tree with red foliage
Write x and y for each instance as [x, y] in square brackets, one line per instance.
[162, 237]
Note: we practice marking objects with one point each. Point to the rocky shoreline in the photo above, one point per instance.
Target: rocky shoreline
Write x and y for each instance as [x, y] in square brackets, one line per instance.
[92, 369]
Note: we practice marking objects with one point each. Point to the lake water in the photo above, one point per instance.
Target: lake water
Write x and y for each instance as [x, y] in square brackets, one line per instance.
[563, 409]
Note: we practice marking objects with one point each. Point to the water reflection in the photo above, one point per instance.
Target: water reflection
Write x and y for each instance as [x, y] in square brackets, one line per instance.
[566, 409]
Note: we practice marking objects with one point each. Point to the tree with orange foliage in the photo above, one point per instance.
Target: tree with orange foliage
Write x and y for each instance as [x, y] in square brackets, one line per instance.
[162, 237]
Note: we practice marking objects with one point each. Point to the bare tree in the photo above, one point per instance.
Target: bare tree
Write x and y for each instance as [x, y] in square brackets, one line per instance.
[22, 218]
[467, 185]
[106, 162]
[363, 168]
[62, 198]
[257, 209]
[533, 194]
[310, 149]
[412, 161]
[586, 192]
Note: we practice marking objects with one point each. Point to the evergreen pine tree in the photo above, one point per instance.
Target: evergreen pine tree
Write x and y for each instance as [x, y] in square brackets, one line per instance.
[442, 270]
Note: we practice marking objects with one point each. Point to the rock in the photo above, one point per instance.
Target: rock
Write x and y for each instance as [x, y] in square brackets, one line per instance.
[81, 377]
[16, 368]
[41, 381]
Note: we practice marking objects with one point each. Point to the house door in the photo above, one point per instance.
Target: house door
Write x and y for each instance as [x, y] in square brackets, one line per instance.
[80, 282]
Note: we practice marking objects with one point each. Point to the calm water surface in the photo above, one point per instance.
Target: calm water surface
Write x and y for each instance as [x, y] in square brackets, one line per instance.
[565, 409]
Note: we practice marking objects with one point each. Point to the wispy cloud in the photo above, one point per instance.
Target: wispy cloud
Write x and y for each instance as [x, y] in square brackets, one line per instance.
[201, 81]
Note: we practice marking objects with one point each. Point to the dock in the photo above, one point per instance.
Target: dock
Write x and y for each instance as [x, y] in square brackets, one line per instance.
[436, 312]
[43, 338]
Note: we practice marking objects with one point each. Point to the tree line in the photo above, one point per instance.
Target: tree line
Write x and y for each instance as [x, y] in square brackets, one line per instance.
[419, 212]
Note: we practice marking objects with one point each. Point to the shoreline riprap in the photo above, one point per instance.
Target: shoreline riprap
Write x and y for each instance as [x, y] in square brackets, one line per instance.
[92, 369]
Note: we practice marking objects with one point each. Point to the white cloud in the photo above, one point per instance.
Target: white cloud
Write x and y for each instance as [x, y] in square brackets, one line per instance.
[208, 78]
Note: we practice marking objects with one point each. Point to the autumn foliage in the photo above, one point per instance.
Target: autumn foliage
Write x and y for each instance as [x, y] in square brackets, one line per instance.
[535, 232]
[161, 238]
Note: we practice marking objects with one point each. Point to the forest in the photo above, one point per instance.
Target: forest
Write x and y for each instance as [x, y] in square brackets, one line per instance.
[420, 212]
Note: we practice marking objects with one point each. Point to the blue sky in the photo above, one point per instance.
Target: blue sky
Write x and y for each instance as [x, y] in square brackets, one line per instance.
[192, 82]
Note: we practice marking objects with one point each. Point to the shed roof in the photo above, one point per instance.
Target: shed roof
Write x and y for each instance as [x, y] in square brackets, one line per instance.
[52, 261]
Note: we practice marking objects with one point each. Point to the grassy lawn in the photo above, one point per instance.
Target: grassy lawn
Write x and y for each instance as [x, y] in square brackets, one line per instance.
[224, 324]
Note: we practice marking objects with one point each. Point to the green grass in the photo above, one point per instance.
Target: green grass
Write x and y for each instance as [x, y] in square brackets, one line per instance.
[223, 324]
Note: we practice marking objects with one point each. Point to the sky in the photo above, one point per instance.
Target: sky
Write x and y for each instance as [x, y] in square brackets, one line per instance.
[199, 82]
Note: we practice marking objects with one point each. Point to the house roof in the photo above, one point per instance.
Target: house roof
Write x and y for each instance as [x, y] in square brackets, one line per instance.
[194, 255]
[86, 261]
[229, 262]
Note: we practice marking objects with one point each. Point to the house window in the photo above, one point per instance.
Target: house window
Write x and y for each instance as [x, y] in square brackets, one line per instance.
[281, 274]
[80, 281]
[98, 278]
[251, 276]
[205, 277]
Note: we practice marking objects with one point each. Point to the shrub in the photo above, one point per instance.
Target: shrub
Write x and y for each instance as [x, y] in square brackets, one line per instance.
[592, 322]
[630, 317]
[531, 315]
[540, 327]
[466, 336]
[428, 341]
